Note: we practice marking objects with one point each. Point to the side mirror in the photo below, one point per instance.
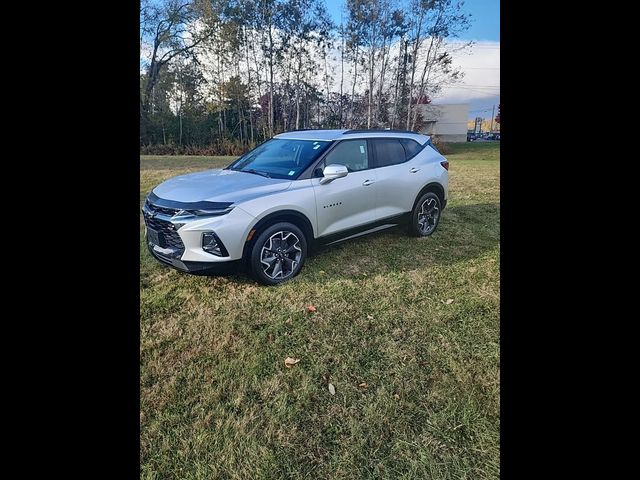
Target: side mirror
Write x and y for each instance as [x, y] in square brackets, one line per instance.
[333, 171]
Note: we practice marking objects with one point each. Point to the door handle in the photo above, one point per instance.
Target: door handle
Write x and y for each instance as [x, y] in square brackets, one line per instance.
[414, 170]
[366, 183]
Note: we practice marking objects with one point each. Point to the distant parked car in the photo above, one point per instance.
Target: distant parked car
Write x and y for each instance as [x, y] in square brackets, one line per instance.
[471, 137]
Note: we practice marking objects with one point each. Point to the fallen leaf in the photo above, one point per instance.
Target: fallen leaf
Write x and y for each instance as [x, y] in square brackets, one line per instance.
[332, 389]
[449, 301]
[289, 321]
[363, 385]
[369, 317]
[322, 272]
[396, 396]
[311, 309]
[289, 361]
[270, 338]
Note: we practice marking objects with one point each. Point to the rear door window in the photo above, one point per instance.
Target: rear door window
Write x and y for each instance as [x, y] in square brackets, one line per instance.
[388, 151]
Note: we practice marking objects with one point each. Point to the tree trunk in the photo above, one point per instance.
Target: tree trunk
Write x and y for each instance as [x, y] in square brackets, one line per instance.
[341, 73]
[298, 71]
[353, 87]
[397, 83]
[271, 109]
[386, 53]
[152, 78]
[370, 86]
[326, 79]
[414, 63]
[181, 102]
[246, 44]
[427, 66]
[258, 84]
[221, 123]
[405, 59]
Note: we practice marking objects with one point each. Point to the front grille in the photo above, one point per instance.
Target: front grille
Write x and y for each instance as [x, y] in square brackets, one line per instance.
[167, 230]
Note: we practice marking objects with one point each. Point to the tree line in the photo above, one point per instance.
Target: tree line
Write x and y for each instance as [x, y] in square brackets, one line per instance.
[220, 77]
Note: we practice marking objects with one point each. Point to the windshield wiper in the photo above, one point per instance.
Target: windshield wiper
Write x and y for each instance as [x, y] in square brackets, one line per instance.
[251, 170]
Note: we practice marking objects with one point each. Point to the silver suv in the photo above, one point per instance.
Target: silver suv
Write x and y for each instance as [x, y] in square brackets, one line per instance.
[294, 192]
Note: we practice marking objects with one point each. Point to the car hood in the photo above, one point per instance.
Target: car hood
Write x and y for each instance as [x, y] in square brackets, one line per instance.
[218, 186]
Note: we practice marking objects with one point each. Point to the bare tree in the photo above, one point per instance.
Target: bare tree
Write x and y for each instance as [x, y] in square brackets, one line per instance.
[171, 31]
[438, 21]
[416, 30]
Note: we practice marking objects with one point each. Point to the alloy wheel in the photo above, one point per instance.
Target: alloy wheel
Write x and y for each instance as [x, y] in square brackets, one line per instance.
[280, 255]
[428, 216]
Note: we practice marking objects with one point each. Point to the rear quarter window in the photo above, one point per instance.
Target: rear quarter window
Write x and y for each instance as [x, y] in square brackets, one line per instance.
[430, 143]
[411, 147]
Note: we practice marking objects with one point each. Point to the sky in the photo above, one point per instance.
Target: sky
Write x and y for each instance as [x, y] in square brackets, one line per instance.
[480, 87]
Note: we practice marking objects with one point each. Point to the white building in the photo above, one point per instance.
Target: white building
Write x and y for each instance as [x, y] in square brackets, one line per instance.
[447, 122]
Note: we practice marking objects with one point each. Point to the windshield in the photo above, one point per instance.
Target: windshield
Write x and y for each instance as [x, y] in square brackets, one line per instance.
[280, 158]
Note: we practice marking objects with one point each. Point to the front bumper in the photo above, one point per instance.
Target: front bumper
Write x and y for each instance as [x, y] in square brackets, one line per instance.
[181, 246]
[194, 267]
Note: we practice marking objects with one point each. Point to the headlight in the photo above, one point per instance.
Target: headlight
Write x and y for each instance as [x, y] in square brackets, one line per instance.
[210, 212]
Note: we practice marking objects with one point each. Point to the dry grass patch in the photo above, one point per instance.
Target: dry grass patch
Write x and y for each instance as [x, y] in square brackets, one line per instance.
[218, 402]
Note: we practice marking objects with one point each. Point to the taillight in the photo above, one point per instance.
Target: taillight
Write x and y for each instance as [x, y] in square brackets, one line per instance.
[445, 164]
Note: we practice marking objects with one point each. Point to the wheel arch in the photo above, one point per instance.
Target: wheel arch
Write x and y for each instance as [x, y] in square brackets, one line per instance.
[295, 217]
[434, 187]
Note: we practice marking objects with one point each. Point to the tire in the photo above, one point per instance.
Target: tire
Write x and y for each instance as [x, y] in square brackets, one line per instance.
[290, 256]
[432, 209]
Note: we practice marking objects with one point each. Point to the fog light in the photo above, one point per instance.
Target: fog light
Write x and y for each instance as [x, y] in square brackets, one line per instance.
[211, 244]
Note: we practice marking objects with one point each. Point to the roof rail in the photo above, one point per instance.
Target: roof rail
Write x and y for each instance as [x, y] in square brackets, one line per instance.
[377, 130]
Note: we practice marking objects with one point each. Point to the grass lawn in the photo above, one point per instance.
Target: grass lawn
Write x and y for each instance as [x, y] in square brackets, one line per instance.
[406, 329]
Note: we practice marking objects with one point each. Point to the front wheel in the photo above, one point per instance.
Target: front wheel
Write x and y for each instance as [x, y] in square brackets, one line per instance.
[278, 254]
[425, 215]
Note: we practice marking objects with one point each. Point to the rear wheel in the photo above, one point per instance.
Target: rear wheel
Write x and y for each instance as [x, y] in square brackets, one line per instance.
[425, 215]
[278, 254]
